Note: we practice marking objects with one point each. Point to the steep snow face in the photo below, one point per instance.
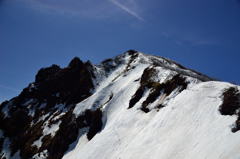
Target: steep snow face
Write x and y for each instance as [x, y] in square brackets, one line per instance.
[132, 106]
[189, 126]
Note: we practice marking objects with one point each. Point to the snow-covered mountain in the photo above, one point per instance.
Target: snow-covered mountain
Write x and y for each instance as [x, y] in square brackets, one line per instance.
[132, 106]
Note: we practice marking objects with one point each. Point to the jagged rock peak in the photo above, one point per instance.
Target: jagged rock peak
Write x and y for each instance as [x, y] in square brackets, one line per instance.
[132, 52]
[45, 73]
[88, 64]
[76, 62]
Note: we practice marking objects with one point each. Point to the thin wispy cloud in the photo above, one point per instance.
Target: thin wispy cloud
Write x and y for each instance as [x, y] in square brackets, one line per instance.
[86, 9]
[197, 40]
[9, 88]
[177, 42]
[195, 37]
[176, 37]
[128, 10]
[165, 34]
[90, 9]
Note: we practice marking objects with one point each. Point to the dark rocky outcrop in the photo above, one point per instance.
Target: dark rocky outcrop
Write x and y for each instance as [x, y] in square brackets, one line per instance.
[176, 82]
[146, 83]
[53, 86]
[132, 52]
[46, 73]
[71, 83]
[231, 105]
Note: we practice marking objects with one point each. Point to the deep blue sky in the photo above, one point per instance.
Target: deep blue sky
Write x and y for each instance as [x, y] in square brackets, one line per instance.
[202, 35]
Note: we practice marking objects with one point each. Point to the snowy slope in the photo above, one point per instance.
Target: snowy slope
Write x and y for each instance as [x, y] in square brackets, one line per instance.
[189, 124]
[176, 114]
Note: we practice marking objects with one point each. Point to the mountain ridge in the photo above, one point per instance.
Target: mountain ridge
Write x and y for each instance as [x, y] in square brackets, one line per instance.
[68, 111]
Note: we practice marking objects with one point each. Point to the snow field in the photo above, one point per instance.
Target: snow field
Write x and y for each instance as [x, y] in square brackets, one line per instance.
[189, 126]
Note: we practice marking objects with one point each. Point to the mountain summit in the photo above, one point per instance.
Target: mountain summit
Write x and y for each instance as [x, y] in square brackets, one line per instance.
[131, 106]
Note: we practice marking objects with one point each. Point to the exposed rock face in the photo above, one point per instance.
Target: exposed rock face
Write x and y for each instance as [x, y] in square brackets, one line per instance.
[46, 73]
[231, 105]
[55, 92]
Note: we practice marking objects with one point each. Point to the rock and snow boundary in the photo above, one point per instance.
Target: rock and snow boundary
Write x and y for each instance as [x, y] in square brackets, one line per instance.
[132, 106]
